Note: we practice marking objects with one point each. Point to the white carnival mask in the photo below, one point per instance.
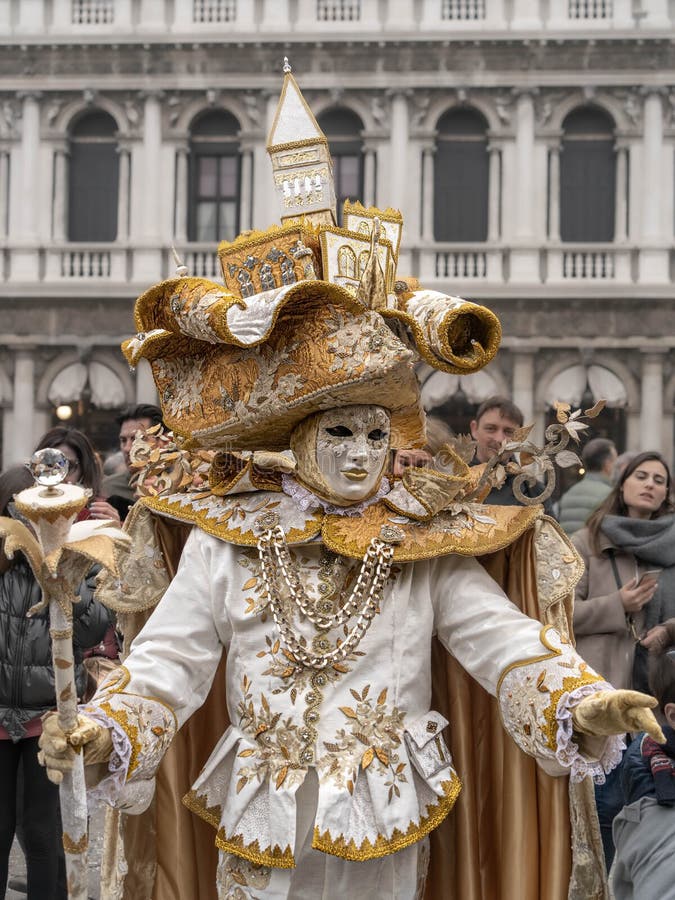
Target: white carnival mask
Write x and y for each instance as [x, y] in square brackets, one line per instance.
[352, 445]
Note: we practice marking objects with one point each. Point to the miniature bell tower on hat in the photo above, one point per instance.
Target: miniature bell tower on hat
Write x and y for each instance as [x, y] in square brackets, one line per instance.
[303, 169]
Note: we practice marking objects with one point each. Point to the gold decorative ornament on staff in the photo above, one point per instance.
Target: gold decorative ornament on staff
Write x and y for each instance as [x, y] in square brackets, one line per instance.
[60, 557]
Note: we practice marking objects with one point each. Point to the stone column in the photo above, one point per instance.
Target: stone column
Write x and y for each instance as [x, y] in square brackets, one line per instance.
[427, 217]
[651, 167]
[123, 193]
[182, 194]
[523, 385]
[554, 151]
[60, 212]
[651, 408]
[524, 258]
[20, 437]
[398, 150]
[246, 188]
[369, 173]
[147, 252]
[524, 166]
[26, 201]
[494, 191]
[4, 193]
[621, 204]
[152, 146]
[654, 253]
[30, 166]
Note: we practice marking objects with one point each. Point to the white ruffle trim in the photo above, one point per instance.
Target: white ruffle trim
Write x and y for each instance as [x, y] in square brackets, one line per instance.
[110, 787]
[567, 750]
[305, 499]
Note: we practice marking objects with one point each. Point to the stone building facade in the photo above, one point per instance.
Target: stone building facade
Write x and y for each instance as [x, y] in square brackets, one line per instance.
[528, 143]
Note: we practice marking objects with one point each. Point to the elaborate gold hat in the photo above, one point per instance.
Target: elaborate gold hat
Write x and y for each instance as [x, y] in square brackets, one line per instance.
[311, 315]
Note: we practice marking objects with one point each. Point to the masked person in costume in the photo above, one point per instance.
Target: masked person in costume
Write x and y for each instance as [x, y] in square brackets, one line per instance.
[322, 581]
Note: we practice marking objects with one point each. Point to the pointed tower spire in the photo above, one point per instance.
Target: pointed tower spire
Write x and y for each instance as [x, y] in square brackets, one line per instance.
[303, 169]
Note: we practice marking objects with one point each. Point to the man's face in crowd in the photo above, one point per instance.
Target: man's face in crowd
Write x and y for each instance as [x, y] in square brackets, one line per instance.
[128, 431]
[489, 432]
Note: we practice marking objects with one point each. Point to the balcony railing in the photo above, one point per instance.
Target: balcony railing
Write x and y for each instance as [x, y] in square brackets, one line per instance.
[57, 18]
[486, 265]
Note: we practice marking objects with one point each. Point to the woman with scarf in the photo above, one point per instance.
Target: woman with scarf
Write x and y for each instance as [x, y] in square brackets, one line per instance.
[628, 588]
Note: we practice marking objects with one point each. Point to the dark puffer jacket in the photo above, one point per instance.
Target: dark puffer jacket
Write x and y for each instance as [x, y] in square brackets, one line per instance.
[26, 672]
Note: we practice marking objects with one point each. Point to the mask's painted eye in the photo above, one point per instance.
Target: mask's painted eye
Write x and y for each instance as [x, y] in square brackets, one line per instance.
[377, 434]
[339, 431]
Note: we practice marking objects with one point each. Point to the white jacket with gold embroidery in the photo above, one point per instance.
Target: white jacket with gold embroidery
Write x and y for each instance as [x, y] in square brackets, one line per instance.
[385, 775]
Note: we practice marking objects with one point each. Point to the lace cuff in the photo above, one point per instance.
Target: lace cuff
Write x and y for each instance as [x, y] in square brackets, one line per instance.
[110, 787]
[568, 752]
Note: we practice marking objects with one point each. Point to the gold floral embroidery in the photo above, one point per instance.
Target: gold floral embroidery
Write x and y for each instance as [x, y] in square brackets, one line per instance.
[232, 519]
[399, 840]
[444, 534]
[374, 736]
[122, 718]
[277, 756]
[235, 873]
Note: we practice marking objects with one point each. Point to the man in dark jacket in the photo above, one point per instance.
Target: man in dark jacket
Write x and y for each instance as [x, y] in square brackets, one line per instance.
[116, 488]
[577, 503]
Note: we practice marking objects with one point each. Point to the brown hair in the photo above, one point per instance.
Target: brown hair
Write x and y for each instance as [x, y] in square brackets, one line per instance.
[506, 407]
[12, 481]
[79, 443]
[613, 505]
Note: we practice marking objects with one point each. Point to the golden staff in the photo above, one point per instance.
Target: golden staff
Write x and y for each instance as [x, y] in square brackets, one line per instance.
[60, 558]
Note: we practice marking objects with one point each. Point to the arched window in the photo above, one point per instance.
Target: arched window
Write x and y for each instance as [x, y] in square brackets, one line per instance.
[343, 129]
[93, 178]
[215, 175]
[461, 177]
[587, 176]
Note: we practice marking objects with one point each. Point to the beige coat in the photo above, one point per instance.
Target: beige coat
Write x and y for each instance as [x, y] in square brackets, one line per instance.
[603, 638]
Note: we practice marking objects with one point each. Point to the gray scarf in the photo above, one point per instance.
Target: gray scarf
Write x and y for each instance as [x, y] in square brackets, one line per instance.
[651, 541]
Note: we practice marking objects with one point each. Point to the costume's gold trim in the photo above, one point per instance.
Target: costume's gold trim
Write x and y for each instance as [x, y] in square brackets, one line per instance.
[270, 856]
[153, 309]
[131, 731]
[75, 847]
[182, 513]
[295, 145]
[355, 207]
[196, 803]
[51, 514]
[533, 659]
[571, 683]
[118, 679]
[272, 234]
[450, 362]
[383, 846]
[350, 537]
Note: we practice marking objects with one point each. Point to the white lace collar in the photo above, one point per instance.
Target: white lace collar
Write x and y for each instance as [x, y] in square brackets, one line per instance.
[305, 499]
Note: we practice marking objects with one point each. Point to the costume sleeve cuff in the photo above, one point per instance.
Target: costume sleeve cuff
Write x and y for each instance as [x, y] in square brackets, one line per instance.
[110, 787]
[142, 729]
[568, 753]
[536, 698]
